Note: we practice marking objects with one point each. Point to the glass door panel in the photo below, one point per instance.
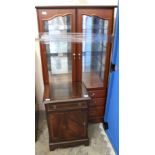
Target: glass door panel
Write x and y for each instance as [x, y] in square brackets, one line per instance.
[94, 48]
[58, 53]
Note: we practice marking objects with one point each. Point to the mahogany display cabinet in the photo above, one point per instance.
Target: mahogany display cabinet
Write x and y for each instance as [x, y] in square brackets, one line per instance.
[71, 67]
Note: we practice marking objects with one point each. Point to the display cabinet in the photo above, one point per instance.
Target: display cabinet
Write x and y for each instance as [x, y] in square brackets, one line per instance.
[75, 47]
[86, 61]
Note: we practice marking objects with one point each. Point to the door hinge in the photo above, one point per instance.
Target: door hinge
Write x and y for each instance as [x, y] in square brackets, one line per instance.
[113, 67]
[105, 125]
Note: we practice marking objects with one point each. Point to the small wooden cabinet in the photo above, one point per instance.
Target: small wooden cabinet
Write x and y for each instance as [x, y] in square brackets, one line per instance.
[67, 115]
[97, 105]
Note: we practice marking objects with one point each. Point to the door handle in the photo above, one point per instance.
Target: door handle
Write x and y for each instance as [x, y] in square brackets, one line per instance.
[74, 55]
[79, 54]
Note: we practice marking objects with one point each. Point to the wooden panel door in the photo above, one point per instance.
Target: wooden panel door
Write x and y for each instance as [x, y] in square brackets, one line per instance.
[95, 50]
[70, 125]
[57, 54]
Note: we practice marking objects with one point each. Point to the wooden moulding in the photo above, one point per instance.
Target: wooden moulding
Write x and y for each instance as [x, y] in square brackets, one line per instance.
[65, 144]
[77, 7]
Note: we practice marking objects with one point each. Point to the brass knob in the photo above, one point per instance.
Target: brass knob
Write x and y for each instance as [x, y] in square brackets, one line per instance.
[74, 55]
[79, 55]
[93, 94]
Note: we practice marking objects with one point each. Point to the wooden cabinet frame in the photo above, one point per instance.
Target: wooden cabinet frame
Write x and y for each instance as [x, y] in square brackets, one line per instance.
[51, 14]
[103, 13]
[76, 12]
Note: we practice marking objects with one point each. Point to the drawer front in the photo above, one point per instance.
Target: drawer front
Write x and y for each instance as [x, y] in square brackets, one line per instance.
[97, 102]
[96, 111]
[97, 93]
[65, 106]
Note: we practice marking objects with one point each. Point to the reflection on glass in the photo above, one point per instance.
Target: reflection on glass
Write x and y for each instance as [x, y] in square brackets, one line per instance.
[93, 50]
[59, 53]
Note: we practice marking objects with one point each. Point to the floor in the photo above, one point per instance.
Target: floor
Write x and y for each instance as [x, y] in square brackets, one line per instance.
[99, 143]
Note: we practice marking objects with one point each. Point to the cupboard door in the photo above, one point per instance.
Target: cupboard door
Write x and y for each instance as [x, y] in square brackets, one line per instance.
[57, 52]
[69, 125]
[94, 52]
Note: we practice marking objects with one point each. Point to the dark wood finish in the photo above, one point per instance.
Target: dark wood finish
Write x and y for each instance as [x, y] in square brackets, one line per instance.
[95, 119]
[65, 91]
[70, 143]
[67, 125]
[46, 92]
[97, 93]
[77, 6]
[69, 106]
[67, 114]
[96, 111]
[67, 103]
[92, 80]
[98, 102]
[97, 106]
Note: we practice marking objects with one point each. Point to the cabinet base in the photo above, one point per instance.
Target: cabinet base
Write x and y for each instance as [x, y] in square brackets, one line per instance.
[72, 143]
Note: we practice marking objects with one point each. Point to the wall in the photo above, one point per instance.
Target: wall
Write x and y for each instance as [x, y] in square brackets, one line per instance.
[39, 87]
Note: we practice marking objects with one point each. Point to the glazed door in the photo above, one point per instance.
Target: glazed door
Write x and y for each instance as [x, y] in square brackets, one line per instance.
[94, 52]
[57, 53]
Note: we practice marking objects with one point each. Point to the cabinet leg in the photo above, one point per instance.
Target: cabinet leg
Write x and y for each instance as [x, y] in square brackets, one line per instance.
[87, 143]
[52, 148]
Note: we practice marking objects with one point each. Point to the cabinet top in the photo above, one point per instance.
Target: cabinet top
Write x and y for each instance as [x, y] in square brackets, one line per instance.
[76, 6]
[71, 91]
